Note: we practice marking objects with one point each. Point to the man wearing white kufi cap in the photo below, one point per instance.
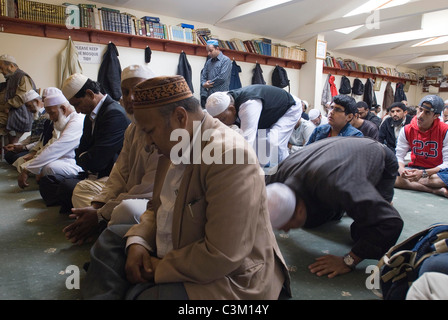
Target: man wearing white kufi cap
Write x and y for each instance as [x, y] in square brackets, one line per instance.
[41, 129]
[317, 118]
[330, 178]
[103, 133]
[255, 108]
[58, 157]
[15, 119]
[123, 197]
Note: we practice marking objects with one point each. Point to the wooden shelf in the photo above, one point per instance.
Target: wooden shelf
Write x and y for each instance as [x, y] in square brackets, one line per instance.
[365, 75]
[55, 31]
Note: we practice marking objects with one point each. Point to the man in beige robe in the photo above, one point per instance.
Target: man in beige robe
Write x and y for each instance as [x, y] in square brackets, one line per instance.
[202, 236]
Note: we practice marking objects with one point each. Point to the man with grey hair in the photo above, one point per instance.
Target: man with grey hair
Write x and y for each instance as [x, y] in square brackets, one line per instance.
[15, 119]
[41, 128]
[59, 156]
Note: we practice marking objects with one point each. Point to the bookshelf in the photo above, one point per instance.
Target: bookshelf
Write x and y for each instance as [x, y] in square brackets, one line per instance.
[89, 35]
[365, 75]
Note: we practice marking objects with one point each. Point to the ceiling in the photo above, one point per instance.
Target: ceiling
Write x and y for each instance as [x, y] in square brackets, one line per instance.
[385, 35]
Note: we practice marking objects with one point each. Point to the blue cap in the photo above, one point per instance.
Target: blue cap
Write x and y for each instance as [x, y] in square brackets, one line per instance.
[436, 103]
[213, 42]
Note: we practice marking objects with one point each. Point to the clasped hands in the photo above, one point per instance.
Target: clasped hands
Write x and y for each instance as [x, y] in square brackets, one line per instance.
[140, 265]
[412, 175]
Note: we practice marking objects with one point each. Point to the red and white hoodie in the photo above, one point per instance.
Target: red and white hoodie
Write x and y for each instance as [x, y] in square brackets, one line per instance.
[429, 149]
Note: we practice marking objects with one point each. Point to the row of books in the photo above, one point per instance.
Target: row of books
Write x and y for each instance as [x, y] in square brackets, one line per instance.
[8, 8]
[41, 12]
[262, 46]
[349, 64]
[108, 19]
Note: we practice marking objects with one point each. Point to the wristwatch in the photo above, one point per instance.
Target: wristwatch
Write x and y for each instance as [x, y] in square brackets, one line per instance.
[349, 261]
[425, 174]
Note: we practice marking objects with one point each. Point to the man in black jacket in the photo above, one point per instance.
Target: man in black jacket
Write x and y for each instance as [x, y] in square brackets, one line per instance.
[391, 126]
[102, 138]
[364, 113]
[335, 176]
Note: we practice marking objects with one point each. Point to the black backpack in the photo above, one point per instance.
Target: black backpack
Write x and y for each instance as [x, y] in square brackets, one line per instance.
[358, 87]
[345, 87]
[400, 266]
[280, 77]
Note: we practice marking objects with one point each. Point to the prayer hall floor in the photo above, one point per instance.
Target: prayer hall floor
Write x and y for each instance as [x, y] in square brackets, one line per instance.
[37, 261]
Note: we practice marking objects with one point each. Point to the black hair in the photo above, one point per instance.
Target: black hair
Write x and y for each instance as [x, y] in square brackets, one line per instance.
[94, 86]
[400, 105]
[349, 103]
[190, 105]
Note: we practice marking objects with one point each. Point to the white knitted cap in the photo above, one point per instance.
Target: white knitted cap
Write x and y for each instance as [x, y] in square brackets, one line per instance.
[30, 95]
[55, 99]
[281, 203]
[314, 114]
[73, 84]
[50, 91]
[8, 58]
[217, 103]
[137, 71]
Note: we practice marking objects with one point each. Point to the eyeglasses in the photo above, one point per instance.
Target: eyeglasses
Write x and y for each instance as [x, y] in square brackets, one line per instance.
[336, 109]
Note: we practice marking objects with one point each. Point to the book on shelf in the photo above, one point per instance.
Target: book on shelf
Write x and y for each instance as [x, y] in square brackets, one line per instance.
[9, 8]
[151, 19]
[189, 35]
[186, 25]
[176, 33]
[38, 11]
[202, 35]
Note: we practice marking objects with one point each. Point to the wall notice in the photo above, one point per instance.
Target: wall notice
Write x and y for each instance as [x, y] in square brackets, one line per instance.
[88, 54]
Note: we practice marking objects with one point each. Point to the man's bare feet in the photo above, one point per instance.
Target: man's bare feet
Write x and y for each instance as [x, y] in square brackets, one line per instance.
[442, 192]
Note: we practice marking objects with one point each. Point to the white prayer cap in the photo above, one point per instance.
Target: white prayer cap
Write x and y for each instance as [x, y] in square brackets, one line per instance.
[314, 114]
[30, 95]
[8, 58]
[217, 103]
[73, 84]
[50, 91]
[281, 203]
[137, 71]
[55, 99]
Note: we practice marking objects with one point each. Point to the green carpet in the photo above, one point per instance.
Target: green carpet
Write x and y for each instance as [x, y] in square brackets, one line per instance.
[34, 253]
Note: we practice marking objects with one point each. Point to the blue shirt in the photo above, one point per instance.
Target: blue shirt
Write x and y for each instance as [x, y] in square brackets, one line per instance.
[218, 71]
[322, 132]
